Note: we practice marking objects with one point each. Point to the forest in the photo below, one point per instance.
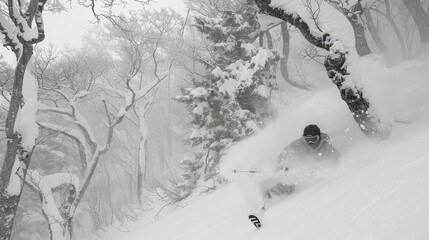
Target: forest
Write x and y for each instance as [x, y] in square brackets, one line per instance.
[136, 119]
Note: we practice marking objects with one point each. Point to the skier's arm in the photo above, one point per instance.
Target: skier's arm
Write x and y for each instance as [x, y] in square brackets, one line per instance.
[285, 155]
[333, 152]
[330, 151]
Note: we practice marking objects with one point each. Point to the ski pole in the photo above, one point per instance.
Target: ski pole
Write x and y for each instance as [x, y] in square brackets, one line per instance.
[247, 171]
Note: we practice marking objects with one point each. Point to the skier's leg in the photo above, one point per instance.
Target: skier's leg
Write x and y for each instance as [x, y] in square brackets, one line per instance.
[249, 185]
[267, 184]
[257, 194]
[282, 189]
[255, 190]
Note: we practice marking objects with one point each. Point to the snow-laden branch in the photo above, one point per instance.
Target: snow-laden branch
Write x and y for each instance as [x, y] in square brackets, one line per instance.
[25, 123]
[84, 134]
[46, 185]
[86, 180]
[330, 30]
[71, 132]
[129, 94]
[75, 135]
[144, 91]
[78, 95]
[46, 108]
[115, 90]
[17, 30]
[130, 100]
[28, 34]
[11, 39]
[81, 122]
[74, 113]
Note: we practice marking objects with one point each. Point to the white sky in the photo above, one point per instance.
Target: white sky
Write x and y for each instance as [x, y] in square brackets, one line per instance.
[67, 28]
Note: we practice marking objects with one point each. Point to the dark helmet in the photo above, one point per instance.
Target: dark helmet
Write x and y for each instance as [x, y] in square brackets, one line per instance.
[311, 130]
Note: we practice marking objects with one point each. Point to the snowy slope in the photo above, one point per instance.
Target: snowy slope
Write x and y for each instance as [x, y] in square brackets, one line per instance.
[379, 190]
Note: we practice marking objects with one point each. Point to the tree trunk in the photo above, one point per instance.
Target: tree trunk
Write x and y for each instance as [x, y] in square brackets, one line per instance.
[286, 51]
[139, 183]
[15, 154]
[335, 62]
[17, 158]
[395, 29]
[270, 44]
[269, 39]
[143, 153]
[283, 61]
[58, 225]
[353, 16]
[373, 31]
[362, 47]
[261, 39]
[420, 17]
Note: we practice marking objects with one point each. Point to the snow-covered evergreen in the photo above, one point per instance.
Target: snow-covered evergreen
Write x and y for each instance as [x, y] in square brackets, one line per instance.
[234, 101]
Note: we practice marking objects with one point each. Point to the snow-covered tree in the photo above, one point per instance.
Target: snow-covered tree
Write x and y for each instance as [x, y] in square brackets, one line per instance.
[370, 25]
[420, 17]
[130, 68]
[325, 27]
[353, 10]
[233, 101]
[409, 21]
[22, 26]
[72, 82]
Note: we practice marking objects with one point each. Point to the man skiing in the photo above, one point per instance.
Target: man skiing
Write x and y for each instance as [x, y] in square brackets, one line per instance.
[313, 145]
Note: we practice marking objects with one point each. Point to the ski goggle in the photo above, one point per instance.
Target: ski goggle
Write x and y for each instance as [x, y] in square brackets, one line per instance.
[311, 139]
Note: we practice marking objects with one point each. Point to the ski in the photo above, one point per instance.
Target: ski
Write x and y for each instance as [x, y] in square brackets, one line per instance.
[255, 220]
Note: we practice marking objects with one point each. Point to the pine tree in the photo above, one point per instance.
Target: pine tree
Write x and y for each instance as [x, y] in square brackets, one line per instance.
[234, 101]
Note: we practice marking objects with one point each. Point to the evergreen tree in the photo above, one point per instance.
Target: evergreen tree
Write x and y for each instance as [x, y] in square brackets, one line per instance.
[234, 100]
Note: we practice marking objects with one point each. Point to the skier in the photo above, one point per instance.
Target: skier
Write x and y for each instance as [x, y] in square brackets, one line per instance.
[313, 145]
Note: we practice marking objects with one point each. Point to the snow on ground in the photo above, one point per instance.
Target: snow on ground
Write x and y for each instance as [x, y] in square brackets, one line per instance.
[379, 190]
